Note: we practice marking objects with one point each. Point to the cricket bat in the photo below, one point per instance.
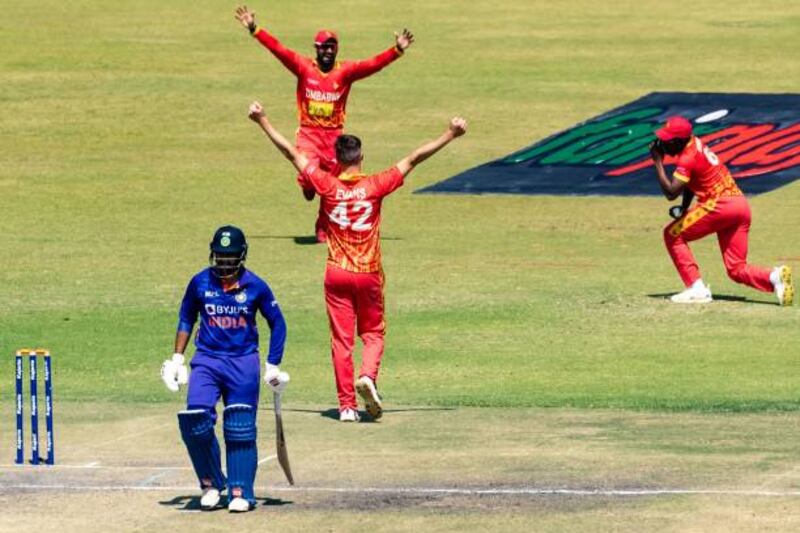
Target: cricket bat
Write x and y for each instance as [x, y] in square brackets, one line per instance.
[283, 455]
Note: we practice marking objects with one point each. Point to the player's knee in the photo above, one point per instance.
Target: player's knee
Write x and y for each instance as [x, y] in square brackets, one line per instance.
[669, 235]
[737, 272]
[239, 423]
[196, 425]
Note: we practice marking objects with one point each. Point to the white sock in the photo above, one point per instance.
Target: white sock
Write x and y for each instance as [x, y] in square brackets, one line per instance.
[698, 284]
[773, 276]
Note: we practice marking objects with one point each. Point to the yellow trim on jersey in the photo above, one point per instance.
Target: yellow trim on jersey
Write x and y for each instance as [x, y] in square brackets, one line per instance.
[692, 216]
[680, 177]
[232, 287]
[344, 176]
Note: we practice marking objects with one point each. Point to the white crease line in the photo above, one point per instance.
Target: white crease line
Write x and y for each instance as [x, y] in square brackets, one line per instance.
[268, 458]
[434, 490]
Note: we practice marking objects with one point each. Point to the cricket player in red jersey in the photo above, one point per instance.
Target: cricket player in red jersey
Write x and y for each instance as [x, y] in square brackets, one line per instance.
[721, 208]
[354, 278]
[323, 85]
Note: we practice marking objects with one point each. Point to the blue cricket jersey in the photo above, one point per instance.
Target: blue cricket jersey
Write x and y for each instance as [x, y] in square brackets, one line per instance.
[228, 318]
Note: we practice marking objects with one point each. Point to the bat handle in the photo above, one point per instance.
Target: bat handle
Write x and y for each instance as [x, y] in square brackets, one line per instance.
[276, 399]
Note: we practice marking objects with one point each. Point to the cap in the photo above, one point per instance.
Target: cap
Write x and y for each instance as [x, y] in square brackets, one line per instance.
[325, 35]
[675, 128]
[228, 240]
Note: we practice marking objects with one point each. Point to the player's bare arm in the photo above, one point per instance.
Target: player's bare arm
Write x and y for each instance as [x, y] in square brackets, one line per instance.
[669, 185]
[456, 128]
[181, 341]
[403, 40]
[291, 153]
[246, 17]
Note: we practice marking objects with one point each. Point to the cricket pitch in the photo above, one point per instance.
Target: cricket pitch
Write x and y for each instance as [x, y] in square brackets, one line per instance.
[439, 468]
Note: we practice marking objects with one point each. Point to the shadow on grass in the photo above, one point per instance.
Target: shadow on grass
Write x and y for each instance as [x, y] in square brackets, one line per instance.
[333, 413]
[720, 297]
[305, 240]
[302, 240]
[192, 503]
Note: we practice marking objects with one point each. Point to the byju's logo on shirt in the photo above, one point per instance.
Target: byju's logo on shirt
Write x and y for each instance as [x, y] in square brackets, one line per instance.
[227, 316]
[226, 310]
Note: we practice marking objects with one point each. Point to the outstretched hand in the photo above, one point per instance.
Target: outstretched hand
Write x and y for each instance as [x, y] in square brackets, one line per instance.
[256, 111]
[404, 40]
[246, 17]
[458, 126]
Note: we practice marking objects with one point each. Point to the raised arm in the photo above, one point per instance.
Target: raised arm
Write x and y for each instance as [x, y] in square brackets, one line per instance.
[367, 67]
[285, 147]
[290, 59]
[456, 128]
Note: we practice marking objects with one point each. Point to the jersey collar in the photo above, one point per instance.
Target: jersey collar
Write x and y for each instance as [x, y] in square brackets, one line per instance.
[351, 178]
[240, 283]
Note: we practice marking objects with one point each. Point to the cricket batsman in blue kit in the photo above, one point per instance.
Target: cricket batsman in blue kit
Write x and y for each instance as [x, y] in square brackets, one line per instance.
[226, 364]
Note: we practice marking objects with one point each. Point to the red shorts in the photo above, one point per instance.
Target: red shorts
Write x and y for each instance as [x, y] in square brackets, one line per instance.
[729, 218]
[355, 304]
[319, 146]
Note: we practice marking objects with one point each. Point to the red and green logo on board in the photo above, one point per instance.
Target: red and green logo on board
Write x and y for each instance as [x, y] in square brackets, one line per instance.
[756, 135]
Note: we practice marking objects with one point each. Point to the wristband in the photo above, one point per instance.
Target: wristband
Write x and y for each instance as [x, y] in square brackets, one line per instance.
[252, 28]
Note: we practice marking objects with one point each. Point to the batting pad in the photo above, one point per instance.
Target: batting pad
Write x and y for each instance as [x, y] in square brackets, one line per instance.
[197, 430]
[240, 447]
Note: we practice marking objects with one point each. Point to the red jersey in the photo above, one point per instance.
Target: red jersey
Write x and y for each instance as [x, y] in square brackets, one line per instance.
[322, 96]
[352, 204]
[701, 171]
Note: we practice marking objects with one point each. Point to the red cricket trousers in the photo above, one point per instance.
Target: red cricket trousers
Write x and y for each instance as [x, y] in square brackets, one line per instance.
[355, 304]
[319, 146]
[728, 217]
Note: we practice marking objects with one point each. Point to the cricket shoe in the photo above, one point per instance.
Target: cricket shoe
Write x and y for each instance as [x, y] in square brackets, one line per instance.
[372, 402]
[210, 498]
[238, 505]
[349, 415]
[781, 278]
[696, 294]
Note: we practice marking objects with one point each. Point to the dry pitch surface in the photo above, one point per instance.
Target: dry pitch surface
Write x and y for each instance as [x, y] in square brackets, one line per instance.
[123, 468]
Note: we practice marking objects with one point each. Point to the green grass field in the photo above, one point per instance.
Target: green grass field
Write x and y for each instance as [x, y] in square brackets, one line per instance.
[124, 143]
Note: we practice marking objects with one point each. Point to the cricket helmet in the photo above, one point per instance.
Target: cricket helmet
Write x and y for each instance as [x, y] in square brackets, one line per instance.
[228, 252]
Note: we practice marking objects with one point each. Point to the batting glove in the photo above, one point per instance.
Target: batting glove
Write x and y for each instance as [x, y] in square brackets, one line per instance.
[174, 372]
[276, 379]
